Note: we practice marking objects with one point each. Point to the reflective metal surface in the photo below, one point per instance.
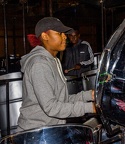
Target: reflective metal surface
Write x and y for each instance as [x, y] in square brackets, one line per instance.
[110, 84]
[97, 57]
[14, 114]
[10, 101]
[89, 79]
[61, 134]
[74, 84]
[11, 76]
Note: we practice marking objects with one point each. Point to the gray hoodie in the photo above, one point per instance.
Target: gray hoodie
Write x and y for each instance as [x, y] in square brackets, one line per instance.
[45, 95]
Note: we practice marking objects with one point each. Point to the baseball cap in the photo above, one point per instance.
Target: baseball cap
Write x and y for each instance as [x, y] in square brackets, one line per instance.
[51, 23]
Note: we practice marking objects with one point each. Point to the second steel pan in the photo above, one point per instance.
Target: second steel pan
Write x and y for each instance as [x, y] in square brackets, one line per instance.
[61, 134]
[110, 84]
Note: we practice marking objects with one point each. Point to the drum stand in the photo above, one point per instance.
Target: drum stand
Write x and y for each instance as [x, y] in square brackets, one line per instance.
[120, 137]
[114, 133]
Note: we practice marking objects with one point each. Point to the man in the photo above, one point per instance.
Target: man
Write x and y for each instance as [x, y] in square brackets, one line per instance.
[45, 96]
[78, 57]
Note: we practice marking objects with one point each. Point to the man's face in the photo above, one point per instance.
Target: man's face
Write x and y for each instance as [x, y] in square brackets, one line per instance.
[54, 41]
[74, 37]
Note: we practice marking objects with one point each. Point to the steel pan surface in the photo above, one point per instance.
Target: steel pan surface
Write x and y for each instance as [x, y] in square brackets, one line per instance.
[74, 84]
[62, 134]
[89, 79]
[110, 84]
[10, 101]
[14, 114]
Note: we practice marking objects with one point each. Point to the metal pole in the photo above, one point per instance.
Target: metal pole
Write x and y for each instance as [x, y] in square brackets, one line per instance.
[24, 32]
[112, 11]
[50, 8]
[6, 55]
[5, 34]
[105, 25]
[7, 108]
[14, 42]
[102, 21]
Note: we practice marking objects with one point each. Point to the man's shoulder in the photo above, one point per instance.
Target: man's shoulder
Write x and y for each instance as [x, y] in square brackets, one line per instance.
[84, 42]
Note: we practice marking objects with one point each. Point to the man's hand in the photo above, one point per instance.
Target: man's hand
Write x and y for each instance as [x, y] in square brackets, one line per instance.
[77, 67]
[94, 108]
[93, 95]
[66, 71]
[93, 99]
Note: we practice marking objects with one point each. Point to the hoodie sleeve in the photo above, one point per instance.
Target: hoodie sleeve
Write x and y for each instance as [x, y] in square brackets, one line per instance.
[81, 96]
[43, 83]
[88, 52]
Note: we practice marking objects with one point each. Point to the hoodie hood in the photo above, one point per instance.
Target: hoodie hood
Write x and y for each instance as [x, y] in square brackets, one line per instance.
[37, 51]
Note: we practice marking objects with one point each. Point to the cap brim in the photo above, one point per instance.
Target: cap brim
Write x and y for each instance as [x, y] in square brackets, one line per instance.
[64, 29]
[69, 31]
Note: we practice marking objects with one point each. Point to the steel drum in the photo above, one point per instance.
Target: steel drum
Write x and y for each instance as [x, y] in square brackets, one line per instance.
[74, 84]
[96, 60]
[61, 134]
[10, 101]
[89, 79]
[110, 82]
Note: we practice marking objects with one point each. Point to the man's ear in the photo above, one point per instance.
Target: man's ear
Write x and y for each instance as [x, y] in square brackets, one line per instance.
[44, 36]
